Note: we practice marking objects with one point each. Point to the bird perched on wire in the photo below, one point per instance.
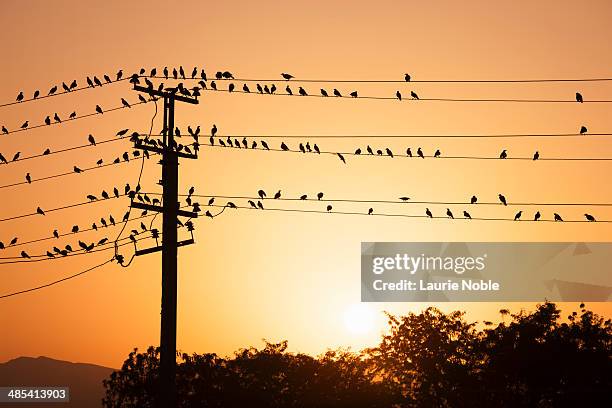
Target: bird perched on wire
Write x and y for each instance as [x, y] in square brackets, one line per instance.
[99, 109]
[287, 76]
[125, 103]
[420, 153]
[589, 217]
[28, 178]
[25, 125]
[437, 153]
[277, 195]
[284, 146]
[16, 157]
[473, 200]
[449, 213]
[467, 215]
[316, 149]
[414, 95]
[324, 92]
[502, 199]
[5, 130]
[52, 91]
[354, 94]
[91, 139]
[583, 130]
[329, 208]
[398, 95]
[337, 93]
[77, 170]
[40, 211]
[579, 97]
[319, 196]
[407, 77]
[517, 217]
[503, 154]
[25, 255]
[20, 97]
[341, 157]
[389, 152]
[557, 217]
[72, 115]
[428, 213]
[303, 92]
[536, 155]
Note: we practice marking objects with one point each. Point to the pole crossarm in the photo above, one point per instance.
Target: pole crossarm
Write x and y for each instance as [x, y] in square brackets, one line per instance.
[160, 209]
[141, 146]
[162, 94]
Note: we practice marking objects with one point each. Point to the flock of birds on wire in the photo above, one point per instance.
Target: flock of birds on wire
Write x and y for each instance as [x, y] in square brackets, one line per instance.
[205, 83]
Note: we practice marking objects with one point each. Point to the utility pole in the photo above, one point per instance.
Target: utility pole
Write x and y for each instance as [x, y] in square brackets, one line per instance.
[170, 152]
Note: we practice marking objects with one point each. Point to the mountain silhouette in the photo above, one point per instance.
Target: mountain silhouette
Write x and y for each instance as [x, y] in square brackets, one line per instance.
[84, 380]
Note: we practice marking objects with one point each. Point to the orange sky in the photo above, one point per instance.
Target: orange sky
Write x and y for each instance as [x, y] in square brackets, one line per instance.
[255, 275]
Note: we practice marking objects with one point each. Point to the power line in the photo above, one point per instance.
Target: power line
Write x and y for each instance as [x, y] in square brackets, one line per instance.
[283, 81]
[419, 99]
[79, 232]
[409, 215]
[399, 201]
[15, 217]
[68, 149]
[384, 155]
[56, 281]
[75, 118]
[448, 136]
[60, 93]
[72, 172]
[44, 257]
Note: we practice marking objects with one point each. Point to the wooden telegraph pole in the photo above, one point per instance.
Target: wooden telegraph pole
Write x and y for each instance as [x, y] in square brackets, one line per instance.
[167, 397]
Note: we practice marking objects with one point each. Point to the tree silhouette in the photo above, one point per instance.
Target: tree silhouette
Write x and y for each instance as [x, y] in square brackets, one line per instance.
[430, 359]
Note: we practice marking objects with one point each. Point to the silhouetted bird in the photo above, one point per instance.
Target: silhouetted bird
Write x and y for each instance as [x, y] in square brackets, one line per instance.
[303, 197]
[28, 178]
[467, 215]
[449, 213]
[414, 95]
[3, 159]
[341, 157]
[104, 195]
[5, 130]
[518, 216]
[358, 151]
[324, 92]
[288, 90]
[398, 95]
[75, 229]
[404, 198]
[2, 245]
[57, 118]
[337, 93]
[116, 192]
[125, 103]
[316, 149]
[319, 196]
[420, 153]
[227, 75]
[369, 150]
[354, 94]
[16, 157]
[473, 200]
[428, 213]
[260, 205]
[284, 146]
[25, 125]
[97, 81]
[122, 132]
[231, 88]
[273, 89]
[72, 115]
[13, 241]
[77, 170]
[259, 89]
[437, 153]
[277, 195]
[55, 234]
[302, 148]
[408, 152]
[25, 255]
[103, 222]
[36, 94]
[20, 97]
[536, 155]
[302, 92]
[262, 194]
[111, 219]
[211, 201]
[370, 211]
[583, 130]
[40, 211]
[99, 109]
[107, 78]
[379, 152]
[265, 145]
[406, 77]
[503, 154]
[502, 199]
[91, 197]
[91, 140]
[589, 217]
[287, 76]
[558, 217]
[329, 207]
[66, 87]
[52, 90]
[252, 203]
[579, 97]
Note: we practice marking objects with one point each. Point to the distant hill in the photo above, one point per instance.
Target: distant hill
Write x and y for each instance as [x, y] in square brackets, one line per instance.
[84, 380]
